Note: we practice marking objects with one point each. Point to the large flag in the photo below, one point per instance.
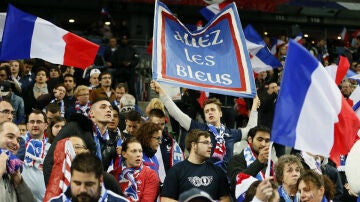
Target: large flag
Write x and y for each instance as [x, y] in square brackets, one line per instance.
[2, 24]
[338, 72]
[211, 10]
[27, 36]
[260, 56]
[213, 59]
[311, 114]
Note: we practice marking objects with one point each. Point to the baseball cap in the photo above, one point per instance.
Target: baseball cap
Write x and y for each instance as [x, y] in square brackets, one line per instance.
[94, 71]
[194, 193]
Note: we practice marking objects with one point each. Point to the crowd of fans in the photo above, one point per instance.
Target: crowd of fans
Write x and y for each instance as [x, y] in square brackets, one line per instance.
[70, 135]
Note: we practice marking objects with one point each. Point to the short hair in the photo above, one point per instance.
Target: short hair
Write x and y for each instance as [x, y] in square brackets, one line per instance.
[280, 165]
[36, 111]
[70, 75]
[2, 125]
[133, 115]
[145, 132]
[252, 132]
[53, 108]
[42, 69]
[87, 163]
[122, 85]
[194, 136]
[80, 88]
[98, 100]
[127, 100]
[318, 181]
[213, 100]
[58, 85]
[104, 73]
[157, 113]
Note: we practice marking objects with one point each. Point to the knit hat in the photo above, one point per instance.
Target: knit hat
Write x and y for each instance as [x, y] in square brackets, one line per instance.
[194, 193]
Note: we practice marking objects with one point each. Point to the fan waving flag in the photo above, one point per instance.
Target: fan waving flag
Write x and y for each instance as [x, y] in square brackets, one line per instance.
[213, 59]
[27, 36]
[260, 56]
[311, 114]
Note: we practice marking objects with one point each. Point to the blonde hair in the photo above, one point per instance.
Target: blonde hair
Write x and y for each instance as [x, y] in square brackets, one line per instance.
[80, 88]
[154, 103]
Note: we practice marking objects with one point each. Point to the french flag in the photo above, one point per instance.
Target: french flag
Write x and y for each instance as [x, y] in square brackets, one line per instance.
[311, 113]
[338, 72]
[211, 10]
[355, 97]
[275, 44]
[243, 182]
[260, 57]
[27, 36]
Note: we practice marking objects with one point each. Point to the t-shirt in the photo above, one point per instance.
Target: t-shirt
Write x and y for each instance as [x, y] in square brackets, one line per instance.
[186, 175]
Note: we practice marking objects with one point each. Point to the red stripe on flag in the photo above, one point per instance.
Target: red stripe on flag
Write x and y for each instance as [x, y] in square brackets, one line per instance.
[343, 67]
[79, 52]
[345, 132]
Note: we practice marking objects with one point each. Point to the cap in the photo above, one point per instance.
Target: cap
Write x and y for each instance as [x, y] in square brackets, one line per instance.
[194, 193]
[94, 71]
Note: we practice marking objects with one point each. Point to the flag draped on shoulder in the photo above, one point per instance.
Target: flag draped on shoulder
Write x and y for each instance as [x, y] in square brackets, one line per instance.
[213, 59]
[260, 56]
[27, 36]
[311, 113]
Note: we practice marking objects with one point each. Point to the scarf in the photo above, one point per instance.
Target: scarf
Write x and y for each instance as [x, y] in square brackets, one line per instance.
[61, 104]
[220, 148]
[150, 160]
[34, 152]
[250, 157]
[13, 164]
[128, 177]
[285, 195]
[83, 109]
[99, 138]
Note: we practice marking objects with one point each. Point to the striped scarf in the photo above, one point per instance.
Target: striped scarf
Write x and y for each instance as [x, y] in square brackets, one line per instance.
[220, 148]
[83, 109]
[34, 152]
[128, 177]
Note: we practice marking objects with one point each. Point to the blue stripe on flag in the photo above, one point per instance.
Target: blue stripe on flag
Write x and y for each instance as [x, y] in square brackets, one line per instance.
[18, 31]
[299, 66]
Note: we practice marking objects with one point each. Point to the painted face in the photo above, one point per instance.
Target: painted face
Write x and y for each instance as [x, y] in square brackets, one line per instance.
[155, 140]
[6, 112]
[291, 174]
[119, 92]
[203, 147]
[158, 120]
[132, 126]
[101, 112]
[60, 92]
[83, 96]
[10, 137]
[212, 114]
[115, 121]
[85, 186]
[36, 125]
[57, 127]
[133, 155]
[309, 192]
[260, 140]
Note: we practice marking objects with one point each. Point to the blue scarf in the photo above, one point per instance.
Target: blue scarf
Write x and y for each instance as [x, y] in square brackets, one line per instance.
[152, 162]
[98, 137]
[128, 175]
[34, 152]
[13, 164]
[250, 158]
[285, 195]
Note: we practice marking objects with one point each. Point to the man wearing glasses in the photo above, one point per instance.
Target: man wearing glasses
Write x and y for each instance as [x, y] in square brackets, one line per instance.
[35, 151]
[196, 171]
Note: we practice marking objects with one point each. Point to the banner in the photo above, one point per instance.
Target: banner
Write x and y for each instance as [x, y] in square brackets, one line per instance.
[213, 59]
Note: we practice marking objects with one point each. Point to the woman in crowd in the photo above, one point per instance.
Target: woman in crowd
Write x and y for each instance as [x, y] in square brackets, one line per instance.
[137, 181]
[54, 127]
[82, 104]
[149, 135]
[287, 171]
[314, 187]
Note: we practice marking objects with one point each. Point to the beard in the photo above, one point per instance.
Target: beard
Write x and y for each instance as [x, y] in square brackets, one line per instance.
[85, 197]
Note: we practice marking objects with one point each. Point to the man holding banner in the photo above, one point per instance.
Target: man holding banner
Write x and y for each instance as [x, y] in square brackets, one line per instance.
[223, 138]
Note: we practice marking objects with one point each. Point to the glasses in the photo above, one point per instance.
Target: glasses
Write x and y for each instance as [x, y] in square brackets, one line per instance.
[206, 143]
[157, 138]
[35, 121]
[7, 112]
[86, 94]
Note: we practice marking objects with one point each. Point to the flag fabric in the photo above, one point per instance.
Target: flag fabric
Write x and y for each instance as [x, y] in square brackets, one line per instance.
[211, 10]
[338, 72]
[260, 56]
[27, 36]
[275, 44]
[213, 59]
[243, 182]
[355, 97]
[298, 38]
[311, 113]
[344, 34]
[2, 24]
